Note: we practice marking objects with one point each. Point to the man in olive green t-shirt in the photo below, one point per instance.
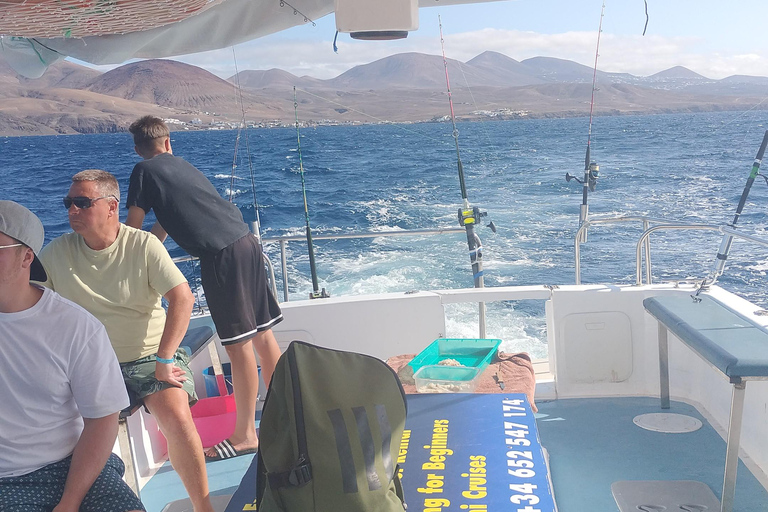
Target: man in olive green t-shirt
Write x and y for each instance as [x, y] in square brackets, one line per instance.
[119, 274]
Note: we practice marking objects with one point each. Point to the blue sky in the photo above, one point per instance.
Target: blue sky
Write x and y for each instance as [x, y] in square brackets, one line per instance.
[715, 38]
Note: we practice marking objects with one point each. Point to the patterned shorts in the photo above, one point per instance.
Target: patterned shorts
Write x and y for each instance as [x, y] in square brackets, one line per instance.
[139, 377]
[41, 490]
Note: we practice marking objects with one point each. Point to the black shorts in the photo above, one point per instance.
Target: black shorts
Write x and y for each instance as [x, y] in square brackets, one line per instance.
[237, 292]
[41, 490]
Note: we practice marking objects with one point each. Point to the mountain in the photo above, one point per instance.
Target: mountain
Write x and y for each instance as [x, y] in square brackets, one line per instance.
[560, 70]
[273, 79]
[408, 87]
[678, 72]
[166, 83]
[506, 70]
[401, 71]
[64, 74]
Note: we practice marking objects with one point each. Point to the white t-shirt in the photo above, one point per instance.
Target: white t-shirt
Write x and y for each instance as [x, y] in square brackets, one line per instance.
[56, 365]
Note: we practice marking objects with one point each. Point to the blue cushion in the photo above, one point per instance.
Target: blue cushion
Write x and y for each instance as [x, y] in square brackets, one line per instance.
[734, 344]
[195, 338]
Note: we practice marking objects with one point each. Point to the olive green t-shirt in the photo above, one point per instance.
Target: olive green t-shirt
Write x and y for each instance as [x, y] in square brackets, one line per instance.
[121, 285]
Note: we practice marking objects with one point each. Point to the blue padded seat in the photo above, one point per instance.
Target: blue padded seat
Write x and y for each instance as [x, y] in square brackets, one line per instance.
[735, 345]
[195, 338]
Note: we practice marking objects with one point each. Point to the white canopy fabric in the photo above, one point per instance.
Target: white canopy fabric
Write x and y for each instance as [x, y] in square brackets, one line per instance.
[215, 26]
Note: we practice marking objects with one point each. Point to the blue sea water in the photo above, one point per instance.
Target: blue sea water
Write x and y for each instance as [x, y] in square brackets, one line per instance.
[690, 167]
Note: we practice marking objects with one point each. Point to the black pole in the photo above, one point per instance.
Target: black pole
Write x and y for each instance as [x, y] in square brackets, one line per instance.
[316, 293]
[725, 245]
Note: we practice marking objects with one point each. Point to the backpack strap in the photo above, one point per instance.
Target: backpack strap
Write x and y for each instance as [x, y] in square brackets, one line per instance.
[299, 475]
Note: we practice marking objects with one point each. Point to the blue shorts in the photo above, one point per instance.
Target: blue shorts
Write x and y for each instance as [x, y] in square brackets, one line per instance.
[41, 490]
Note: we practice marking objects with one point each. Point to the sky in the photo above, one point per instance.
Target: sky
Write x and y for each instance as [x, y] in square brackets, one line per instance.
[715, 38]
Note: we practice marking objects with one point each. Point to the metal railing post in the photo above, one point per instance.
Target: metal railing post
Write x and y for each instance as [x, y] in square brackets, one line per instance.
[284, 263]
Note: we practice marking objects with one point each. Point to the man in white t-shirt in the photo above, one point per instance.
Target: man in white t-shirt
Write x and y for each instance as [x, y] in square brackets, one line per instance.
[62, 389]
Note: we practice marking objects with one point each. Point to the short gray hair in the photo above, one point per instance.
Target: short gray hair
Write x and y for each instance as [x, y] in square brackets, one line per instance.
[105, 181]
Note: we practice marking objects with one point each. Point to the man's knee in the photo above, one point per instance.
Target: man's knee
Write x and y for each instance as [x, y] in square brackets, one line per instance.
[171, 409]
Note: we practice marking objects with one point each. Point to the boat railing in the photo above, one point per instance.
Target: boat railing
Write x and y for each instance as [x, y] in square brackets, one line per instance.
[646, 221]
[283, 241]
[644, 242]
[643, 247]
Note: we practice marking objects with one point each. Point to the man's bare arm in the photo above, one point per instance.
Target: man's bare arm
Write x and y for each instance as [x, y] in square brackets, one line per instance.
[88, 459]
[180, 304]
[135, 219]
[159, 232]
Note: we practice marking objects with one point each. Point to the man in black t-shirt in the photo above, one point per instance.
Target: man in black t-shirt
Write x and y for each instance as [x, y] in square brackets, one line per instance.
[190, 209]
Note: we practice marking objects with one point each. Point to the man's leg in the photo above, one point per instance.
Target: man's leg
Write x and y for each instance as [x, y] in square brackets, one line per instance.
[170, 407]
[41, 490]
[245, 381]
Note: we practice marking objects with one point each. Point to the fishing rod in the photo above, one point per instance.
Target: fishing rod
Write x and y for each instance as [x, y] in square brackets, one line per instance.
[243, 127]
[468, 215]
[591, 169]
[725, 245]
[315, 293]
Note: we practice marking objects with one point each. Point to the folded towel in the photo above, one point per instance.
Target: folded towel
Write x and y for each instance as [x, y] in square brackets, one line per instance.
[508, 373]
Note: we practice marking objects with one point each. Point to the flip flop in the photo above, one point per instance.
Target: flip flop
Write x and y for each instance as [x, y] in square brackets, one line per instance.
[225, 450]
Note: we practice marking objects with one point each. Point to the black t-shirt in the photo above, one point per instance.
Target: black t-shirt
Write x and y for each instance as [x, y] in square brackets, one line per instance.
[186, 204]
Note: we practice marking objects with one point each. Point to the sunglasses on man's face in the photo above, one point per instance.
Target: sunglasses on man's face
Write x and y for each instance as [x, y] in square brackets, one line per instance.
[82, 202]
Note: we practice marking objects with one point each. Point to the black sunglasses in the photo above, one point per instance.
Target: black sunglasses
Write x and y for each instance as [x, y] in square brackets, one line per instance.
[82, 202]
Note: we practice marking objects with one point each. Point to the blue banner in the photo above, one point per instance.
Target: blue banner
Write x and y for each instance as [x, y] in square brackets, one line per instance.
[471, 453]
[461, 453]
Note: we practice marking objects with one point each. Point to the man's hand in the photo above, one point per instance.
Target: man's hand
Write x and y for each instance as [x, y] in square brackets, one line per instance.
[88, 459]
[170, 373]
[180, 303]
[62, 507]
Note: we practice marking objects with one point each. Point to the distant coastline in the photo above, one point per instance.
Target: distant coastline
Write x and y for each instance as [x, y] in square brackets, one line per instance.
[403, 88]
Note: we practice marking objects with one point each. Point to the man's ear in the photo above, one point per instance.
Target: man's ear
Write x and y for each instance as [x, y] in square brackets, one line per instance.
[27, 258]
[168, 145]
[114, 207]
[136, 149]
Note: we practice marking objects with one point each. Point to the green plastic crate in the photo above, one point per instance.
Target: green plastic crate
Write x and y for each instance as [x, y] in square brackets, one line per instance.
[470, 352]
[446, 379]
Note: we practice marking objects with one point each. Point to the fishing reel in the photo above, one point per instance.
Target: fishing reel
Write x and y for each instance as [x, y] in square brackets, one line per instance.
[592, 174]
[472, 216]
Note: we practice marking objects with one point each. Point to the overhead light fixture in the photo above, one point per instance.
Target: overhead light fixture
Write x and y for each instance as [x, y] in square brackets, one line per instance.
[376, 20]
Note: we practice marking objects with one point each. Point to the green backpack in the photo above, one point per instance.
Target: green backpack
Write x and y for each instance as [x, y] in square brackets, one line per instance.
[330, 433]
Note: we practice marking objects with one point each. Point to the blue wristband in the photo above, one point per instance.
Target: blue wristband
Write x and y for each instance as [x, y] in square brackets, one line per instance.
[164, 361]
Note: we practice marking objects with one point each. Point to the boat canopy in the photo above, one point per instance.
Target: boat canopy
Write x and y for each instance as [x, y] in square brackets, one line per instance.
[36, 33]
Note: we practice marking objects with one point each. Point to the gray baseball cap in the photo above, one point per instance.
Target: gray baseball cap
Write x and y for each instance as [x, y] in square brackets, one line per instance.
[23, 225]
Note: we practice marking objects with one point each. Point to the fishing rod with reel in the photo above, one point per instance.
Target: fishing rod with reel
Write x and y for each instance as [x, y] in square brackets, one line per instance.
[725, 245]
[315, 293]
[469, 216]
[591, 169]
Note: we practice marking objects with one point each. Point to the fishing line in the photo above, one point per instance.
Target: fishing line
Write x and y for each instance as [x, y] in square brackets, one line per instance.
[468, 216]
[316, 293]
[591, 169]
[483, 128]
[244, 129]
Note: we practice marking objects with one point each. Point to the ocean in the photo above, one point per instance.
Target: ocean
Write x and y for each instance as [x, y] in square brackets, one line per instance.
[688, 167]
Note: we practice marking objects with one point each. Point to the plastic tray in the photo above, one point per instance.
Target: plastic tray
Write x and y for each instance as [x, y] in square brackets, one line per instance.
[446, 379]
[470, 352]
